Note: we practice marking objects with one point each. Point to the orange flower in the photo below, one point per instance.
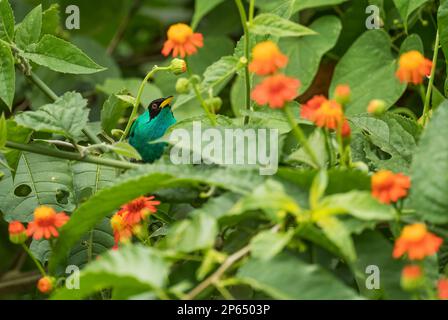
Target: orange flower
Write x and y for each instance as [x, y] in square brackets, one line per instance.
[276, 90]
[17, 232]
[138, 209]
[442, 287]
[122, 230]
[46, 222]
[267, 58]
[417, 242]
[346, 131]
[182, 41]
[413, 67]
[329, 115]
[388, 187]
[309, 108]
[342, 94]
[45, 284]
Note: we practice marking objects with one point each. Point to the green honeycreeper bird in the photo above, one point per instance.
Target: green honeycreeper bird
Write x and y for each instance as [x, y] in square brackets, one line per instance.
[150, 126]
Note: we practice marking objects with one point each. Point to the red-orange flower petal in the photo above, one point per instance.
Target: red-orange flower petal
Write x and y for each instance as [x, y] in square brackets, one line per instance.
[138, 209]
[308, 109]
[267, 58]
[413, 67]
[329, 115]
[182, 41]
[46, 222]
[346, 131]
[388, 187]
[417, 242]
[276, 90]
[442, 288]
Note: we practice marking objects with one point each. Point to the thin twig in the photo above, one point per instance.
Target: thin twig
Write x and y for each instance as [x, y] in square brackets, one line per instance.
[214, 278]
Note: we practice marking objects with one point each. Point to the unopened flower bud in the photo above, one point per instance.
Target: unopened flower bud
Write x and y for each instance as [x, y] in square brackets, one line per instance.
[342, 94]
[17, 232]
[376, 107]
[214, 104]
[46, 284]
[182, 86]
[412, 278]
[178, 66]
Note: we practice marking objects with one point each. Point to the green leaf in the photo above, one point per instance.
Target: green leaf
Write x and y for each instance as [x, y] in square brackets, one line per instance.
[7, 75]
[389, 141]
[51, 20]
[316, 140]
[267, 244]
[67, 116]
[271, 24]
[412, 42]
[147, 179]
[407, 7]
[289, 7]
[126, 98]
[374, 250]
[112, 111]
[28, 31]
[134, 266]
[201, 9]
[61, 56]
[429, 170]
[368, 68]
[125, 149]
[3, 131]
[287, 277]
[39, 180]
[18, 134]
[192, 235]
[339, 235]
[359, 204]
[7, 18]
[442, 22]
[305, 54]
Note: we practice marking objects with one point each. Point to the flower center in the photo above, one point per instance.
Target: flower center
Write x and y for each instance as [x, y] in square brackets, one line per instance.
[44, 215]
[265, 51]
[414, 232]
[330, 109]
[180, 33]
[411, 60]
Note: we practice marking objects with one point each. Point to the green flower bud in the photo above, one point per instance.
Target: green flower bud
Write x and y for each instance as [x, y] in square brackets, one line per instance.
[182, 85]
[178, 66]
[376, 107]
[214, 104]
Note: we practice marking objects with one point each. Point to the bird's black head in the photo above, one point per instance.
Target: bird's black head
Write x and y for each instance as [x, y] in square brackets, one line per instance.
[157, 105]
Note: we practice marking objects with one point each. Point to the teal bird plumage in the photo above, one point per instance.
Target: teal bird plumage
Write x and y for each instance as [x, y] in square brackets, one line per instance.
[150, 126]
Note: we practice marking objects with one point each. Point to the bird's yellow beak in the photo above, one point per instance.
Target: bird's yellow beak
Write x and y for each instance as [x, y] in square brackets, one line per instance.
[166, 102]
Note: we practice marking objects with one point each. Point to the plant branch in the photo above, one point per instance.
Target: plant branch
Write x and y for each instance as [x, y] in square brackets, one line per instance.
[431, 81]
[36, 262]
[71, 156]
[209, 114]
[214, 278]
[244, 23]
[300, 136]
[138, 99]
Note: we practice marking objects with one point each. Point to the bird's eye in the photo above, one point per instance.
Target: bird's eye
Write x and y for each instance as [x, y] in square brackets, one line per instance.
[154, 106]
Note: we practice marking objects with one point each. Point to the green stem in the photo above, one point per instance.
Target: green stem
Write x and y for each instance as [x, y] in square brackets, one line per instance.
[36, 262]
[209, 114]
[328, 147]
[251, 11]
[53, 96]
[431, 80]
[71, 156]
[243, 17]
[300, 136]
[138, 99]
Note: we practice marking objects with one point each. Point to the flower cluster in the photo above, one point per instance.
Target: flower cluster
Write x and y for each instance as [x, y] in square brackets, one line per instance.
[417, 243]
[182, 41]
[129, 219]
[45, 224]
[276, 89]
[327, 113]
